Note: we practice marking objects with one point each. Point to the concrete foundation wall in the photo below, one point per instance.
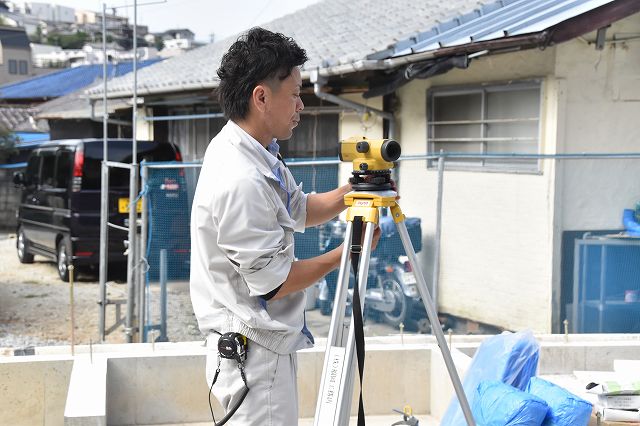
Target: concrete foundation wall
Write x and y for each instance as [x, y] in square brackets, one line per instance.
[167, 385]
[33, 390]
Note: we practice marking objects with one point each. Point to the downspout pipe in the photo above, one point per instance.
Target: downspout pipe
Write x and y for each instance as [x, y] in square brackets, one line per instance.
[320, 81]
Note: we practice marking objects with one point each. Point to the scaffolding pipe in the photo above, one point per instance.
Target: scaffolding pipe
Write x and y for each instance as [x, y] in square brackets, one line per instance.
[163, 296]
[569, 156]
[104, 186]
[144, 174]
[129, 329]
[306, 111]
[436, 260]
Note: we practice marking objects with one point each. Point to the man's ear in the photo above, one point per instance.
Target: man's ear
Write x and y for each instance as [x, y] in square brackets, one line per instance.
[259, 97]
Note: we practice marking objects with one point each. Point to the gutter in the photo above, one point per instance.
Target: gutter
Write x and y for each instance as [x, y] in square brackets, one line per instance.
[109, 120]
[319, 83]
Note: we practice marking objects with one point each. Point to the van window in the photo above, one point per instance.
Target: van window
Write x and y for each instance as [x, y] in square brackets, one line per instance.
[47, 171]
[120, 151]
[64, 166]
[33, 167]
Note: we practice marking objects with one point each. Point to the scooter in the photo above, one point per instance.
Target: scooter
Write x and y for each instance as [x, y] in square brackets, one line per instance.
[392, 294]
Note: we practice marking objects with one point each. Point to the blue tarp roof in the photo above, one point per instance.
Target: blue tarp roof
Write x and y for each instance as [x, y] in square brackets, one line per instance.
[31, 138]
[66, 81]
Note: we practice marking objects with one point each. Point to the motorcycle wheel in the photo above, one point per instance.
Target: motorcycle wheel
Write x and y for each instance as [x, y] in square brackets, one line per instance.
[393, 289]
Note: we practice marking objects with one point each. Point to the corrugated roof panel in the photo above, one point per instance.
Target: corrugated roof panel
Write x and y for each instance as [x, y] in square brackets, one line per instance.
[551, 19]
[506, 18]
[462, 32]
[65, 81]
[486, 23]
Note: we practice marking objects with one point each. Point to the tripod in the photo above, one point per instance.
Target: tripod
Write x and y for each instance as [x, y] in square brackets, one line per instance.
[336, 387]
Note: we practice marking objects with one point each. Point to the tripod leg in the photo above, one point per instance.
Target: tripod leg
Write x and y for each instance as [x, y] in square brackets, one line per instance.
[336, 386]
[346, 391]
[334, 352]
[433, 318]
[336, 328]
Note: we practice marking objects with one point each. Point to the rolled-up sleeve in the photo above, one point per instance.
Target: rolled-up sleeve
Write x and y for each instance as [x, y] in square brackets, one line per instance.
[249, 234]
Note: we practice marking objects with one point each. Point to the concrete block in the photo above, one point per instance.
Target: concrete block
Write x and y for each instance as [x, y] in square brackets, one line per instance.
[396, 376]
[121, 391]
[442, 390]
[87, 396]
[157, 389]
[310, 363]
[561, 358]
[602, 356]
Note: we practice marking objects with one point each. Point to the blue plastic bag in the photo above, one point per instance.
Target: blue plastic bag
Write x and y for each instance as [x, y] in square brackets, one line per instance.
[565, 409]
[511, 358]
[498, 404]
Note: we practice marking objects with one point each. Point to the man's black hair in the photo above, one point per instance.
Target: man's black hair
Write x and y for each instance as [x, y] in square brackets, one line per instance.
[256, 56]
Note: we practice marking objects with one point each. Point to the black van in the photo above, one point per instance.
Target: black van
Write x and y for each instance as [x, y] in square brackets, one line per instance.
[59, 212]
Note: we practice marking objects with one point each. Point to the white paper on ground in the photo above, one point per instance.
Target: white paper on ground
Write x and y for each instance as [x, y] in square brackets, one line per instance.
[611, 414]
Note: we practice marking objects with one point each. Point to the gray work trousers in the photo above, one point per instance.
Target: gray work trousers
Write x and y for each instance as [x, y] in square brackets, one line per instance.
[273, 396]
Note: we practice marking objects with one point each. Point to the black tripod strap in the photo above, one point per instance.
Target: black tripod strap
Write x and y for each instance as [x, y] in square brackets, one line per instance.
[356, 249]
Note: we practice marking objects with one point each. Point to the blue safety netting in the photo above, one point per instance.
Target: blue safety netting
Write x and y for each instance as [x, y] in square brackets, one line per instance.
[169, 193]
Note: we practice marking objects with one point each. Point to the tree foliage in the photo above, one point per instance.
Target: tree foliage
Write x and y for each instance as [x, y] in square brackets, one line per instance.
[68, 41]
[8, 142]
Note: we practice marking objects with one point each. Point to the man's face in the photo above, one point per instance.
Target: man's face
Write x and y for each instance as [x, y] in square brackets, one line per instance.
[283, 110]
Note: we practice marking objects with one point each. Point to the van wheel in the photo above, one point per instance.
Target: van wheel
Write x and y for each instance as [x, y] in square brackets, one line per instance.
[63, 260]
[22, 246]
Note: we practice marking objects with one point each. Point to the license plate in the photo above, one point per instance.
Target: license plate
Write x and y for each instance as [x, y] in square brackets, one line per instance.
[409, 278]
[123, 205]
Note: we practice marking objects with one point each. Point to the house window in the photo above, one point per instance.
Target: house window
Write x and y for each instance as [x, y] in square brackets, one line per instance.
[13, 66]
[23, 67]
[494, 119]
[315, 136]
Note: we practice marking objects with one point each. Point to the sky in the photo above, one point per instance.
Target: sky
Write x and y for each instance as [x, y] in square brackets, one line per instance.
[204, 17]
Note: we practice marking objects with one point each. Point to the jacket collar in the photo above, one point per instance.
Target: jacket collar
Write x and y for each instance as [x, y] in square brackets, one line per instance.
[264, 160]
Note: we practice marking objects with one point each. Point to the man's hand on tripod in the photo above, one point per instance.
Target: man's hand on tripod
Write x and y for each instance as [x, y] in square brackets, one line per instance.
[394, 187]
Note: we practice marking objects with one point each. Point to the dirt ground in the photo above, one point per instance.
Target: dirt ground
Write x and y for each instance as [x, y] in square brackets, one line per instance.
[35, 305]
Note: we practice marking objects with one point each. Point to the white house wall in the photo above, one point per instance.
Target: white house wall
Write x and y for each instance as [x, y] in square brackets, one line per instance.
[603, 108]
[497, 228]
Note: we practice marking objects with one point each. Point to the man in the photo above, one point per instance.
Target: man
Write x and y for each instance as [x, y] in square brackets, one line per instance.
[244, 278]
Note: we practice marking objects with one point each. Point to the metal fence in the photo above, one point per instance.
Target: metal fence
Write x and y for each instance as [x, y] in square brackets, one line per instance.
[546, 249]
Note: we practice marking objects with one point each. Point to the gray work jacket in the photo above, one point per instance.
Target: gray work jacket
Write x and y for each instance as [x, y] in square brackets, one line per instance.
[242, 222]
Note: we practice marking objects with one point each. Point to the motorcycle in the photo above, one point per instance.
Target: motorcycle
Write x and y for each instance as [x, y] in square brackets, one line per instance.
[392, 294]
